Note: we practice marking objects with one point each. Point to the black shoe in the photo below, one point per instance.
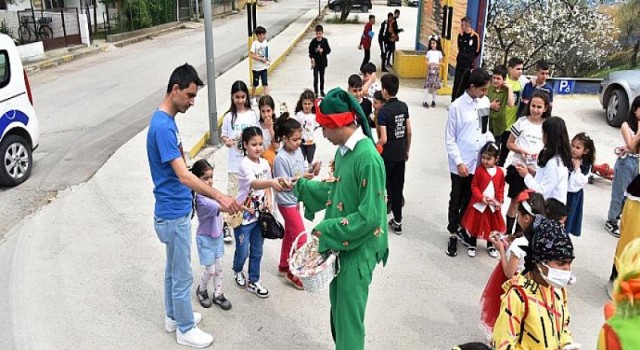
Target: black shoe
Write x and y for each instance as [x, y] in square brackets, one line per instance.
[384, 69]
[226, 232]
[464, 237]
[612, 228]
[221, 301]
[203, 298]
[425, 104]
[433, 104]
[452, 246]
[396, 227]
[322, 93]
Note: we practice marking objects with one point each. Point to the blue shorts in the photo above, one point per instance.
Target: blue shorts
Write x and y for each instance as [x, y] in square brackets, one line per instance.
[260, 75]
[209, 249]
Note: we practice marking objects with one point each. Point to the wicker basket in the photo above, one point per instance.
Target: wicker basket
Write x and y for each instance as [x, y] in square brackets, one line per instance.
[314, 270]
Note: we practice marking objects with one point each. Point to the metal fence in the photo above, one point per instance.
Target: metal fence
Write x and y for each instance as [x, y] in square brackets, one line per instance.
[55, 28]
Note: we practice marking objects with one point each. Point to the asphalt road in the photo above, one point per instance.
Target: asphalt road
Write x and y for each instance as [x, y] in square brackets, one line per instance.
[88, 108]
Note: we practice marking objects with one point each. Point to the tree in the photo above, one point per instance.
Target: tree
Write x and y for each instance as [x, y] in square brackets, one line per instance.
[571, 34]
[628, 21]
[346, 9]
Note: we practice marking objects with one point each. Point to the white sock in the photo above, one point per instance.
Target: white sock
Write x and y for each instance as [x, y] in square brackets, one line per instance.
[217, 278]
[433, 96]
[207, 274]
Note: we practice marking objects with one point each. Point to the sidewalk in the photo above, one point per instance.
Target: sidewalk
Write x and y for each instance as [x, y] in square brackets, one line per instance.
[87, 269]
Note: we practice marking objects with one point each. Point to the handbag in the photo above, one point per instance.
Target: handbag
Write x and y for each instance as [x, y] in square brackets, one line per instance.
[271, 228]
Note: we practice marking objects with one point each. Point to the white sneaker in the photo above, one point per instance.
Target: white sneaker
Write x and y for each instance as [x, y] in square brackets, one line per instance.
[170, 325]
[194, 338]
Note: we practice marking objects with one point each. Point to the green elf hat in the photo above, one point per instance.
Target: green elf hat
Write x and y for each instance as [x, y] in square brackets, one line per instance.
[338, 108]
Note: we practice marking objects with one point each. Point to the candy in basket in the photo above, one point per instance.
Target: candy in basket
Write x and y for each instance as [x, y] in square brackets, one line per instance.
[316, 270]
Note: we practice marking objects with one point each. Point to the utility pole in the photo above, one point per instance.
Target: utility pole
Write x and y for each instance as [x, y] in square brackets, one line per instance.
[211, 73]
[251, 27]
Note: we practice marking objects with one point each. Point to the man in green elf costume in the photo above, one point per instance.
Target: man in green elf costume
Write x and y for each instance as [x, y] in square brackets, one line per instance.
[355, 222]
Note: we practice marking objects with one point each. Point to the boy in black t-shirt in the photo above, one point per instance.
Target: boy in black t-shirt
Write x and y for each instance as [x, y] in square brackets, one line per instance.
[355, 89]
[395, 139]
[318, 51]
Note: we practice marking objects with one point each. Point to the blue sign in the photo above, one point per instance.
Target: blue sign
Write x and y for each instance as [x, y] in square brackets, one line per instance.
[564, 87]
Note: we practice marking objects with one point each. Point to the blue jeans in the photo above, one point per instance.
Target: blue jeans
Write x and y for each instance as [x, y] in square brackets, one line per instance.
[625, 171]
[249, 242]
[176, 235]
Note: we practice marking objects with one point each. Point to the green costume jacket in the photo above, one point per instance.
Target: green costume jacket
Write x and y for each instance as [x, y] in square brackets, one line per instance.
[355, 218]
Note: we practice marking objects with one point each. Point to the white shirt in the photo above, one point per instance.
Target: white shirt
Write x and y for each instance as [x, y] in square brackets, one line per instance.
[515, 249]
[250, 171]
[551, 180]
[352, 141]
[577, 180]
[463, 136]
[261, 49]
[309, 125]
[529, 138]
[243, 120]
[434, 56]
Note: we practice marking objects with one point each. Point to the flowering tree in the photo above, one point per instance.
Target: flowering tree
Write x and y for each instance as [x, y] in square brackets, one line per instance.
[572, 35]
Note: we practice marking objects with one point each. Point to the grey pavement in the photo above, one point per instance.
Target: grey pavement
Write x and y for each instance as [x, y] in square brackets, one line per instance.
[86, 270]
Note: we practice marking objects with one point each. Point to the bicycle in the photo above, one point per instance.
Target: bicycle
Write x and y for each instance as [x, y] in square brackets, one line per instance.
[42, 30]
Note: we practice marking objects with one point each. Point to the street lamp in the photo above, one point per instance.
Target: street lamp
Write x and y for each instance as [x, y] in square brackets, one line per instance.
[211, 74]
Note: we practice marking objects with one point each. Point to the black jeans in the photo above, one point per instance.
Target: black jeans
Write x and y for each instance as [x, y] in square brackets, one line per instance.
[457, 81]
[383, 53]
[367, 56]
[504, 150]
[308, 151]
[318, 74]
[458, 199]
[395, 185]
[390, 51]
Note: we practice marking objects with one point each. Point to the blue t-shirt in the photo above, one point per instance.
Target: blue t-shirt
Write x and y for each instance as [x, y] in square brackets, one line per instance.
[528, 91]
[173, 199]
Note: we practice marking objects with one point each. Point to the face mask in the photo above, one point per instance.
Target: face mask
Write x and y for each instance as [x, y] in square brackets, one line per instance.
[556, 277]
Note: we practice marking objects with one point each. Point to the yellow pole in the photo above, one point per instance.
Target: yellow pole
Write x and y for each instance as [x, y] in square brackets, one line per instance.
[446, 49]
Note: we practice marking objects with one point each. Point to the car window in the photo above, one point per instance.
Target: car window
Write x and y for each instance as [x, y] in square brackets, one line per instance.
[4, 68]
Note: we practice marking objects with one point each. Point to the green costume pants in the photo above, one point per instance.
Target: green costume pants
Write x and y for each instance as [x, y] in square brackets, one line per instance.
[348, 294]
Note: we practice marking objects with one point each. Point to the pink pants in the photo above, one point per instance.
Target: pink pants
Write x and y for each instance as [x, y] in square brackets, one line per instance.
[293, 226]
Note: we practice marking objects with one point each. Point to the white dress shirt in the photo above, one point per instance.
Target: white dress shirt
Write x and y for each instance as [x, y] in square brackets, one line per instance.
[551, 180]
[463, 135]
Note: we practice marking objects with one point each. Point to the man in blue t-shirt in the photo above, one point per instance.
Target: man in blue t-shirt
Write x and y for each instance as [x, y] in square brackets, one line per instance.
[173, 184]
[540, 84]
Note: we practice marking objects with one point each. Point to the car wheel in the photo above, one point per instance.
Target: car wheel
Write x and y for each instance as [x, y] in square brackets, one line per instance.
[17, 161]
[617, 108]
[364, 8]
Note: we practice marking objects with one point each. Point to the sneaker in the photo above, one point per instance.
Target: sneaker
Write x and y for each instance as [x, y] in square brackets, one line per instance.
[464, 236]
[203, 298]
[221, 301]
[452, 246]
[493, 252]
[573, 279]
[294, 280]
[425, 104]
[609, 289]
[395, 226]
[384, 69]
[433, 104]
[241, 281]
[471, 252]
[257, 289]
[170, 325]
[282, 271]
[612, 228]
[322, 93]
[226, 233]
[194, 338]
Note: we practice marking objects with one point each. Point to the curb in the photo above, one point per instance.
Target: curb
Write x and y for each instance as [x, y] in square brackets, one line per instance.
[147, 36]
[205, 137]
[54, 62]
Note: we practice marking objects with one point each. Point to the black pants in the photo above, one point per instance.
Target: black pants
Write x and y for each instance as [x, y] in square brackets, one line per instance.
[504, 151]
[308, 151]
[383, 53]
[395, 186]
[367, 56]
[458, 199]
[390, 50]
[457, 81]
[318, 74]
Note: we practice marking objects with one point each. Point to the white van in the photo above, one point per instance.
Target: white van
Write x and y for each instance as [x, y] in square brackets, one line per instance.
[18, 121]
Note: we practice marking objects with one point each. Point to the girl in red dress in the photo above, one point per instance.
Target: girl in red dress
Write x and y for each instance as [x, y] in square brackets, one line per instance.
[483, 215]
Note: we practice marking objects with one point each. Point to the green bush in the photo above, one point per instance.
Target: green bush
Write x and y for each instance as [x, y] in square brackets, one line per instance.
[146, 13]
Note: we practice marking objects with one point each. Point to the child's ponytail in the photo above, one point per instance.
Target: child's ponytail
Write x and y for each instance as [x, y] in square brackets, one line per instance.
[285, 126]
